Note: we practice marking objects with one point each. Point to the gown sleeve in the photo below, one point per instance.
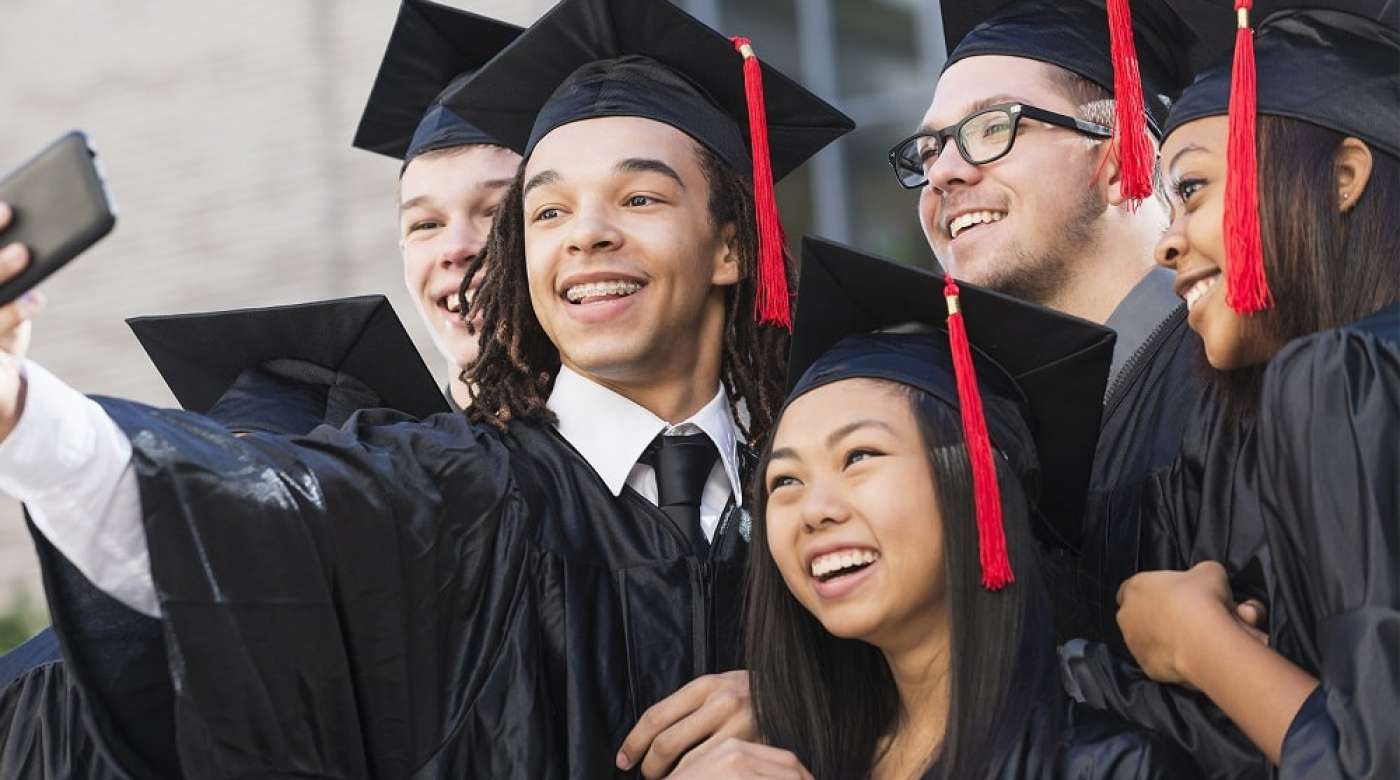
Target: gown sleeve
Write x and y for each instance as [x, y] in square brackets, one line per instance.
[302, 584]
[1329, 438]
[1097, 677]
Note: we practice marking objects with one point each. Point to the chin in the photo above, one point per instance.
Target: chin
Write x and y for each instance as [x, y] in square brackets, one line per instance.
[611, 358]
[850, 623]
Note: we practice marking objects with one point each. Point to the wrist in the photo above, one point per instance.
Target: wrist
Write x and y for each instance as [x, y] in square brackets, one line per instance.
[1202, 640]
[16, 407]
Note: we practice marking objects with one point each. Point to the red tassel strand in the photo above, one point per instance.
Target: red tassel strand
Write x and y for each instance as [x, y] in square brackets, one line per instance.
[991, 535]
[1135, 152]
[772, 304]
[1246, 286]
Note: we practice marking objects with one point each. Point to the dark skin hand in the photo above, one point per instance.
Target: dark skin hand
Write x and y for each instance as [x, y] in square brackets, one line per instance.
[737, 759]
[690, 722]
[1184, 627]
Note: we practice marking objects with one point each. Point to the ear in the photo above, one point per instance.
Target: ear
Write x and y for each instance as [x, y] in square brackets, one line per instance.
[1353, 171]
[726, 270]
[1108, 173]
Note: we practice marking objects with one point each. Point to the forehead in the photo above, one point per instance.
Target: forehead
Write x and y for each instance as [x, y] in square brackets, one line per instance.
[974, 80]
[821, 410]
[461, 170]
[598, 143]
[1208, 134]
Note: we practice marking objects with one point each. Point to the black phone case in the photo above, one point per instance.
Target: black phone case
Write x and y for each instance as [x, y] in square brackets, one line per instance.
[60, 208]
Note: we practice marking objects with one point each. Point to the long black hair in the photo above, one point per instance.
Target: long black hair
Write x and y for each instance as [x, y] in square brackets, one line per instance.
[511, 378]
[831, 700]
[1325, 267]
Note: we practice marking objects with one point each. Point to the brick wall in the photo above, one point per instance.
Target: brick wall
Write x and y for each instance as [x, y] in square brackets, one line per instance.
[225, 128]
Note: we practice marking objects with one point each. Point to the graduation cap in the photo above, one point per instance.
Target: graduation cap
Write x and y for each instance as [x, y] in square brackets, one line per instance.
[242, 366]
[1334, 64]
[647, 58]
[1144, 58]
[1024, 378]
[431, 47]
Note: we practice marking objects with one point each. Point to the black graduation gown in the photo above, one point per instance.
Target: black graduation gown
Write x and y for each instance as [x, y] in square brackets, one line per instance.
[406, 599]
[1316, 482]
[1064, 739]
[1149, 406]
[43, 729]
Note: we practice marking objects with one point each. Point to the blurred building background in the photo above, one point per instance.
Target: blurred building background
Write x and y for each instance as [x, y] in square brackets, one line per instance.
[225, 129]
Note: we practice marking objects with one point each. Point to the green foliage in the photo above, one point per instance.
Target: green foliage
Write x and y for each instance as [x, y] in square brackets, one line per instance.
[20, 621]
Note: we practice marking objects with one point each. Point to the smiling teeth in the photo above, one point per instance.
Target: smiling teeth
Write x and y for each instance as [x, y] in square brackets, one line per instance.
[594, 289]
[842, 559]
[973, 218]
[1199, 290]
[453, 304]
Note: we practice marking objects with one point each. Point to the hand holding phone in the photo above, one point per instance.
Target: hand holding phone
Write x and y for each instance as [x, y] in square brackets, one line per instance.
[14, 327]
[58, 207]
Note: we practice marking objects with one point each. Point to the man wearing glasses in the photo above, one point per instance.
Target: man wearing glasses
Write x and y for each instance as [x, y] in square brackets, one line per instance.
[1022, 189]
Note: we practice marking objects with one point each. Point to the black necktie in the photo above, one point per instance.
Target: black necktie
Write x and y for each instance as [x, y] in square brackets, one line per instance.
[683, 464]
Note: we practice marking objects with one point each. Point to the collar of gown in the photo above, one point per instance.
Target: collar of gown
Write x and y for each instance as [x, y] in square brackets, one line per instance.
[611, 431]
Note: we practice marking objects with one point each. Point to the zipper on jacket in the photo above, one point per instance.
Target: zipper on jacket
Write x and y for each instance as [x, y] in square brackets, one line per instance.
[1130, 369]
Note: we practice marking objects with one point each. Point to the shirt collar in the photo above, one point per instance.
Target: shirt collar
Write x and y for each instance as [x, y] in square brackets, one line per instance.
[611, 431]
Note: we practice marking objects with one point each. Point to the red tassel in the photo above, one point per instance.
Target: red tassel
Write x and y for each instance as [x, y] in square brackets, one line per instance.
[772, 304]
[1135, 153]
[1246, 286]
[991, 535]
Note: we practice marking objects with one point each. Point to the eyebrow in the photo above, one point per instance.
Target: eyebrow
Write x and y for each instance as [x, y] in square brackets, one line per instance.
[539, 180]
[978, 105]
[648, 165]
[1185, 150]
[417, 200]
[788, 453]
[629, 165]
[490, 184]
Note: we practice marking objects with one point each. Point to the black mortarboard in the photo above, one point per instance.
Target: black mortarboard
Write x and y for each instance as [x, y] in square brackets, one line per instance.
[286, 369]
[1074, 34]
[1041, 374]
[646, 58]
[1144, 57]
[431, 47]
[1334, 64]
[586, 59]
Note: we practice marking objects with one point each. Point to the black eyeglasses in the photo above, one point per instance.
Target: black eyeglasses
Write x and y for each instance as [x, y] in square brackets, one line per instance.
[981, 138]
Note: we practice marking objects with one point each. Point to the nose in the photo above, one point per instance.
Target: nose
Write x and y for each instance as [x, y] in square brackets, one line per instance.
[464, 242]
[1172, 245]
[592, 229]
[823, 508]
[950, 170]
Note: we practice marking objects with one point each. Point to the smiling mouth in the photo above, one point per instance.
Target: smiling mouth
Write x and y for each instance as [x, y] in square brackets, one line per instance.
[1200, 290]
[597, 292]
[973, 220]
[841, 563]
[451, 303]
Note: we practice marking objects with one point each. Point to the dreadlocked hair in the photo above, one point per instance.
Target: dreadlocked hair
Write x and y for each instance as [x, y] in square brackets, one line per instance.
[517, 364]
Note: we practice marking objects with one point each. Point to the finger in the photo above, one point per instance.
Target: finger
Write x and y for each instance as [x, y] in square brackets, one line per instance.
[661, 716]
[692, 730]
[1252, 612]
[13, 259]
[5, 215]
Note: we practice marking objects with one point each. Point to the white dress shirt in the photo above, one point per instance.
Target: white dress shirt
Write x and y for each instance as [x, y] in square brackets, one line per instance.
[611, 432]
[71, 466]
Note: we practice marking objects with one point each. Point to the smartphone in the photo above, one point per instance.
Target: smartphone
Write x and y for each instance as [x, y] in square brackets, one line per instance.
[60, 207]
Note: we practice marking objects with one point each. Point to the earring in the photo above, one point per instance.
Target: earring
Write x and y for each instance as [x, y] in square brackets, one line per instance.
[1346, 195]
